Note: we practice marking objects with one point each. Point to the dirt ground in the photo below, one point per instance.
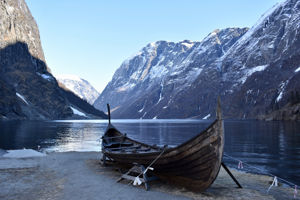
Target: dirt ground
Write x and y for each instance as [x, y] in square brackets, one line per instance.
[79, 175]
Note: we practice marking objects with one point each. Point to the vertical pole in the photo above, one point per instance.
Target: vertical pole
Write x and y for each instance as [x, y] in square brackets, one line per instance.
[218, 110]
[108, 112]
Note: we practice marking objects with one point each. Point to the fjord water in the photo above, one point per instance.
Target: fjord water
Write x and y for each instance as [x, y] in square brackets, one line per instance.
[271, 146]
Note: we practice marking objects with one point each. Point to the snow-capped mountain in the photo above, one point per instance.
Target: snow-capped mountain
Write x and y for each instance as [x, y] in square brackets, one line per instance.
[79, 86]
[255, 72]
[146, 84]
[260, 71]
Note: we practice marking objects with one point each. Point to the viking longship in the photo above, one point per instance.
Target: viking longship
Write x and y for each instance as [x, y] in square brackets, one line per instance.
[194, 164]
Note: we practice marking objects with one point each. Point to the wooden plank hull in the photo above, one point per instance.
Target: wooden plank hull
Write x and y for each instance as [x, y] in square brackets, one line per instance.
[194, 164]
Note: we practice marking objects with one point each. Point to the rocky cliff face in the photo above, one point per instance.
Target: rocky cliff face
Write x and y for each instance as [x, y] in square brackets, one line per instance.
[18, 25]
[28, 89]
[260, 71]
[148, 84]
[80, 87]
[255, 72]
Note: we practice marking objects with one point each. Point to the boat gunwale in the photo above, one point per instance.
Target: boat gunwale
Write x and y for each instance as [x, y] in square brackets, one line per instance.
[158, 149]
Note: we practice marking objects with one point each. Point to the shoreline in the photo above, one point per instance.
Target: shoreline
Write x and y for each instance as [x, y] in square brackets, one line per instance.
[79, 175]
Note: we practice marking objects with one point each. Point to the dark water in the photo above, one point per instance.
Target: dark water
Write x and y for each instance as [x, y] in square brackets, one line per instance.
[272, 146]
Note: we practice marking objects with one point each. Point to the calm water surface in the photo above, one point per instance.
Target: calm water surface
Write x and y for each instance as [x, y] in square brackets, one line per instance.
[271, 146]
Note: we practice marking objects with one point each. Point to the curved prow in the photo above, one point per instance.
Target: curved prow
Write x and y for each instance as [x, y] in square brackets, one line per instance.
[108, 112]
[219, 111]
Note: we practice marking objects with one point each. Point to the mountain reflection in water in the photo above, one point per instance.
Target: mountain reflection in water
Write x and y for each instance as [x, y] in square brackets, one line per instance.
[271, 146]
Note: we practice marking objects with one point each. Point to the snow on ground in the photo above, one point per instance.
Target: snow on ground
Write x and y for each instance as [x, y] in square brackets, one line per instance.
[249, 72]
[188, 45]
[143, 115]
[21, 97]
[206, 117]
[160, 94]
[142, 109]
[77, 112]
[68, 77]
[297, 70]
[23, 153]
[45, 76]
[281, 89]
[125, 87]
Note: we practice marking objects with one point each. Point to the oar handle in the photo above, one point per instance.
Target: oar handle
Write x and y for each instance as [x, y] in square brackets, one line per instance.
[108, 112]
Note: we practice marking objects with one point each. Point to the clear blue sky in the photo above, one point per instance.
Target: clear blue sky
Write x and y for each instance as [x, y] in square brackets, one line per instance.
[91, 38]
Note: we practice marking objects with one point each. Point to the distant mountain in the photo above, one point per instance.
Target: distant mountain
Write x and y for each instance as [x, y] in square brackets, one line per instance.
[27, 88]
[80, 87]
[255, 72]
[147, 84]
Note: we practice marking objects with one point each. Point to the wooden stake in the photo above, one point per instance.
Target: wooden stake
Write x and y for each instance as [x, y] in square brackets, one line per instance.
[230, 174]
[108, 112]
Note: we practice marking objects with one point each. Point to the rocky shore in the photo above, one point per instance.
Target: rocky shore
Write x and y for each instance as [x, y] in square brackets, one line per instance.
[79, 175]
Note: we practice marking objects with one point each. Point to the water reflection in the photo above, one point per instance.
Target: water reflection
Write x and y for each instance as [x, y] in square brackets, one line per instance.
[272, 146]
[76, 136]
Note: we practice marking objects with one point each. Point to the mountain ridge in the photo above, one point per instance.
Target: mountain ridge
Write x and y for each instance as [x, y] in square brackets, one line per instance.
[160, 63]
[79, 86]
[255, 74]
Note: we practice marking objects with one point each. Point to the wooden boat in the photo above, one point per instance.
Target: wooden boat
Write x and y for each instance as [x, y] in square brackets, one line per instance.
[194, 164]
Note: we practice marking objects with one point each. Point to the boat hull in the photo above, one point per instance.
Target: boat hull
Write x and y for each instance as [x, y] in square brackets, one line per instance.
[194, 164]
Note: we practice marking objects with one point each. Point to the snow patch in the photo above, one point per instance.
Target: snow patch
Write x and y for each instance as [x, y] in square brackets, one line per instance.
[45, 76]
[142, 109]
[281, 89]
[194, 73]
[144, 115]
[155, 117]
[21, 97]
[297, 70]
[77, 112]
[69, 77]
[165, 107]
[161, 91]
[23, 153]
[125, 87]
[188, 45]
[249, 91]
[158, 71]
[249, 72]
[206, 117]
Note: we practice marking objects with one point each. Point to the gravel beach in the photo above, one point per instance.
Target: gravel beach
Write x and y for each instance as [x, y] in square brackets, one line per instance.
[79, 175]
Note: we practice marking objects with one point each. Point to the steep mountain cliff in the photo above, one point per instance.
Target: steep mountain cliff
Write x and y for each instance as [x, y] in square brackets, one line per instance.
[260, 71]
[27, 88]
[80, 87]
[256, 73]
[146, 85]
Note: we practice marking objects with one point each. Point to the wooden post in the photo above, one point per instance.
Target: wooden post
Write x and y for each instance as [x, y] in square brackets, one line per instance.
[230, 174]
[104, 160]
[108, 112]
[218, 110]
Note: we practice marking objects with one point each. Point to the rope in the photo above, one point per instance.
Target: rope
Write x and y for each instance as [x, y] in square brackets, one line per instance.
[292, 185]
[274, 183]
[149, 166]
